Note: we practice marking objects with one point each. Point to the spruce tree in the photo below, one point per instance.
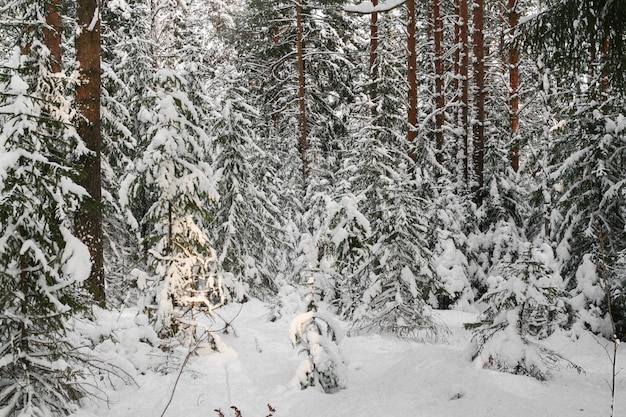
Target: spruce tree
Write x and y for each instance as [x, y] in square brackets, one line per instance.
[43, 265]
[526, 303]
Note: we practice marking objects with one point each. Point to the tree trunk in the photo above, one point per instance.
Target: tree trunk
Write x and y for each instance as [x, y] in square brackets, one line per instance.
[301, 91]
[439, 80]
[461, 83]
[514, 86]
[276, 115]
[478, 126]
[374, 55]
[52, 33]
[89, 217]
[412, 72]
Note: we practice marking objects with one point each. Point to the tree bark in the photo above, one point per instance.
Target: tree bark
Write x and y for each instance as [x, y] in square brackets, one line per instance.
[478, 126]
[439, 80]
[412, 72]
[461, 83]
[514, 85]
[301, 91]
[52, 33]
[89, 216]
[374, 56]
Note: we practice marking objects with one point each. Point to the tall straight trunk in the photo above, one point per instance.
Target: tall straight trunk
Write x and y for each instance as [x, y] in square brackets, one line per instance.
[412, 71]
[276, 115]
[374, 55]
[461, 84]
[52, 33]
[478, 126]
[440, 116]
[301, 91]
[89, 217]
[514, 85]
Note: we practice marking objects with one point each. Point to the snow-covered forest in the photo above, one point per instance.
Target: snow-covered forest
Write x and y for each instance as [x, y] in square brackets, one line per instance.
[208, 204]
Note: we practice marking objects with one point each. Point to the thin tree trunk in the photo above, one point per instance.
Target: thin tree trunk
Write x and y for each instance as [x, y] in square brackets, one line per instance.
[374, 56]
[301, 91]
[89, 217]
[52, 33]
[462, 64]
[439, 80]
[412, 71]
[478, 126]
[276, 115]
[514, 85]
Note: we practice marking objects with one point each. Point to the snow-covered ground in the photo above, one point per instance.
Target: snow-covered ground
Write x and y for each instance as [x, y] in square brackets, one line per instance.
[387, 377]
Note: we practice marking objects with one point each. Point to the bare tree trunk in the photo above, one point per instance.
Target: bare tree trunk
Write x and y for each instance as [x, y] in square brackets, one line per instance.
[374, 56]
[412, 71]
[276, 115]
[89, 217]
[52, 33]
[301, 91]
[462, 82]
[514, 85]
[478, 126]
[440, 116]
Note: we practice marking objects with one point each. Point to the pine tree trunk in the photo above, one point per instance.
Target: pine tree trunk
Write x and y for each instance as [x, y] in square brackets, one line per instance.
[52, 33]
[374, 55]
[276, 115]
[301, 90]
[412, 71]
[89, 217]
[439, 80]
[478, 126]
[461, 83]
[514, 86]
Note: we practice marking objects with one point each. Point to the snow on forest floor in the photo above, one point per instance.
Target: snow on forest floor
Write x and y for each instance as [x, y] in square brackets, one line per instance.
[387, 377]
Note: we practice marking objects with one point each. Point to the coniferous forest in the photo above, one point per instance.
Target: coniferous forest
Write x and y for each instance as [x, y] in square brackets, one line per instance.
[359, 165]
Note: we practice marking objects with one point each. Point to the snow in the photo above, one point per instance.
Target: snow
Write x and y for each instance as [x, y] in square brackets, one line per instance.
[386, 376]
[367, 7]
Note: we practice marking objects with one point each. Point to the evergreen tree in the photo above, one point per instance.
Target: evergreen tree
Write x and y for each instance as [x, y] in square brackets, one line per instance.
[526, 303]
[174, 171]
[43, 265]
[247, 226]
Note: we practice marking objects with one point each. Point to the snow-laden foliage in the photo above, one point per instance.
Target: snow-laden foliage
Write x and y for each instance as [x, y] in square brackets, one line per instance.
[317, 334]
[42, 264]
[525, 304]
[247, 226]
[590, 221]
[174, 171]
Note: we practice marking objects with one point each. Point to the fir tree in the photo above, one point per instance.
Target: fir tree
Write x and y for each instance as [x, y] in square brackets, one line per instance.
[526, 303]
[42, 264]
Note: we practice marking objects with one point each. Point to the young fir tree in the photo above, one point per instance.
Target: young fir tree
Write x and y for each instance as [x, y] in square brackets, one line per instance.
[317, 334]
[42, 264]
[127, 67]
[526, 303]
[247, 226]
[174, 171]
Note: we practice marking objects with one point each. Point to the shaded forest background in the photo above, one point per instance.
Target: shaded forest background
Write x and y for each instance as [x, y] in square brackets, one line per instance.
[372, 162]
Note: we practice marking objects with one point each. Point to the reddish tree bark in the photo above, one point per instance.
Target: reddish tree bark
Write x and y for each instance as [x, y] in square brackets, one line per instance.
[412, 71]
[478, 127]
[439, 80]
[514, 85]
[52, 33]
[301, 90]
[89, 217]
